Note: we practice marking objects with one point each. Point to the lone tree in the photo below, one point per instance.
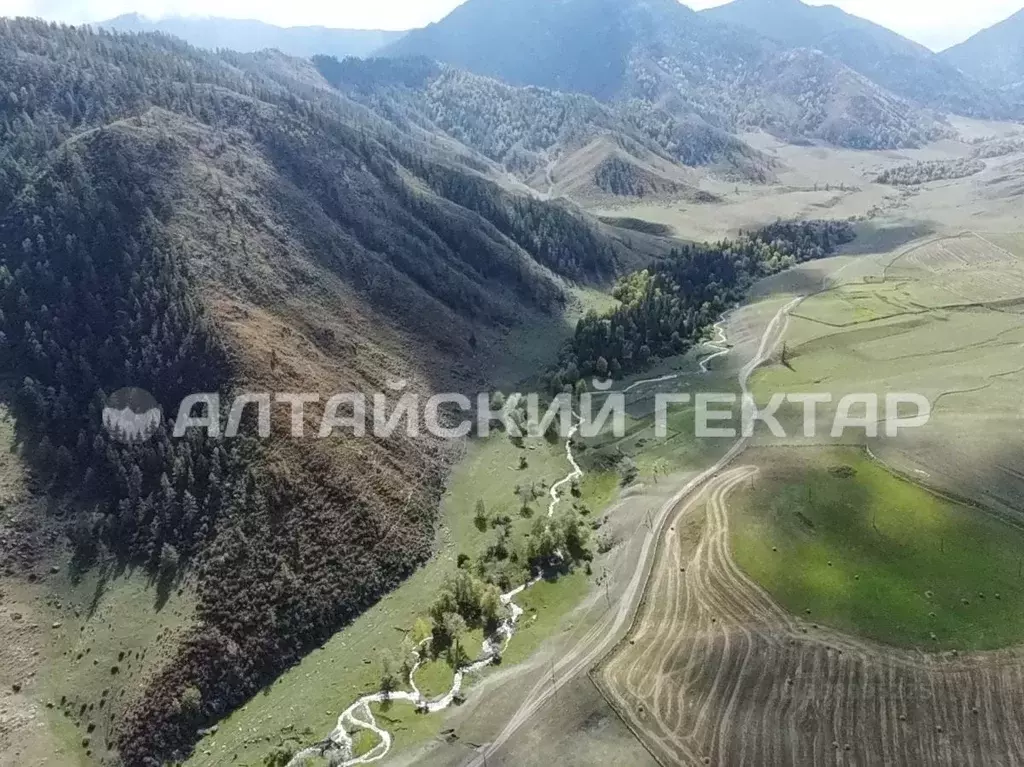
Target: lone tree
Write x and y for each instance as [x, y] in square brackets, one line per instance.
[480, 517]
[168, 561]
[453, 626]
[388, 680]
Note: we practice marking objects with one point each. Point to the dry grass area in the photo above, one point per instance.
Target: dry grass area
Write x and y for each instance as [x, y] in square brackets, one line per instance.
[25, 737]
[576, 729]
[574, 175]
[715, 671]
[973, 267]
[828, 182]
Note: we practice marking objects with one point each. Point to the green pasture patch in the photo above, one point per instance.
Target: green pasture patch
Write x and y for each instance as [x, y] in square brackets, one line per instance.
[839, 540]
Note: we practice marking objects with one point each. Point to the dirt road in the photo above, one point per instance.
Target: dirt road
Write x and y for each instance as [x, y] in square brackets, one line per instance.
[604, 635]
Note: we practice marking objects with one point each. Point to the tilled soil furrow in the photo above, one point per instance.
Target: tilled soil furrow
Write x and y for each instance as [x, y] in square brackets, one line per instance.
[716, 669]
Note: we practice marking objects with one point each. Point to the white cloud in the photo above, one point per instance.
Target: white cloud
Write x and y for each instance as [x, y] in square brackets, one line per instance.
[936, 23]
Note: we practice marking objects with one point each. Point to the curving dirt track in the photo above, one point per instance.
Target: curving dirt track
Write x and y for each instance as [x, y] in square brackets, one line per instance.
[715, 672]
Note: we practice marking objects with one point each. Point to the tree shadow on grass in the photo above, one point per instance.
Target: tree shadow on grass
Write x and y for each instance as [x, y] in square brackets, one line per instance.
[874, 237]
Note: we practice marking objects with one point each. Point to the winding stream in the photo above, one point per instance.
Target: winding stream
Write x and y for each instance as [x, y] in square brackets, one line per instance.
[338, 745]
[720, 345]
[576, 472]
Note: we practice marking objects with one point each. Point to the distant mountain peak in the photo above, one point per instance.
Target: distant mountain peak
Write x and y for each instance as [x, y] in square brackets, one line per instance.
[994, 56]
[900, 65]
[249, 35]
[772, 3]
[132, 17]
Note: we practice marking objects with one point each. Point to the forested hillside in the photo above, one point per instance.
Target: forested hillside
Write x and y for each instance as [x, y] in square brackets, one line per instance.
[184, 221]
[915, 173]
[535, 132]
[665, 54]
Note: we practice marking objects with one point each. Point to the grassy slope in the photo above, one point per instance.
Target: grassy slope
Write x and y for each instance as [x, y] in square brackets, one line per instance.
[879, 556]
[902, 335]
[363, 742]
[534, 346]
[679, 449]
[407, 728]
[85, 627]
[120, 628]
[544, 606]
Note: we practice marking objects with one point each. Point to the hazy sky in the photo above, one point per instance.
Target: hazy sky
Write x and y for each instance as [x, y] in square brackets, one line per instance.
[936, 23]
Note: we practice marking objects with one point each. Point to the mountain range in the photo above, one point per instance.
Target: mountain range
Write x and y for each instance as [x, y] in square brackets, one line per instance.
[248, 36]
[558, 143]
[731, 75]
[182, 220]
[797, 70]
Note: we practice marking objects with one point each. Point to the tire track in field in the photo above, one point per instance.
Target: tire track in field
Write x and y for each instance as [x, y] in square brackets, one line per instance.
[715, 672]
